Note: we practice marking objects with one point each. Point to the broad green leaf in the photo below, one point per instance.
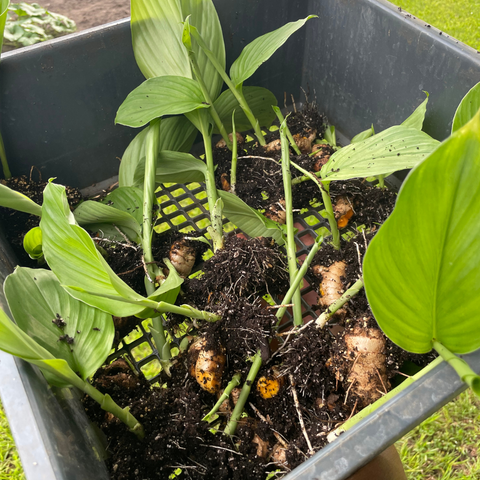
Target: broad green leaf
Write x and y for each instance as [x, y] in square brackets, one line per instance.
[127, 199]
[36, 299]
[415, 120]
[159, 96]
[422, 269]
[72, 256]
[260, 100]
[92, 215]
[176, 133]
[157, 38]
[253, 223]
[261, 49]
[175, 167]
[360, 137]
[395, 148]
[12, 199]
[16, 342]
[467, 108]
[3, 18]
[32, 243]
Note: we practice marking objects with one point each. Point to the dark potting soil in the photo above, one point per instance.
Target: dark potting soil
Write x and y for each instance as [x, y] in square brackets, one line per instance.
[16, 224]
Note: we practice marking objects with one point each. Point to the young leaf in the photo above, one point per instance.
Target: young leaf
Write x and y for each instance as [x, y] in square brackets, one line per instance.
[169, 95]
[176, 134]
[467, 108]
[73, 257]
[415, 120]
[157, 32]
[395, 148]
[11, 199]
[261, 49]
[93, 215]
[32, 243]
[422, 269]
[360, 137]
[260, 100]
[253, 223]
[175, 167]
[51, 317]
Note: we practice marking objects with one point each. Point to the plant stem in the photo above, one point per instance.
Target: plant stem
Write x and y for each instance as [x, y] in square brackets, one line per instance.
[213, 204]
[237, 92]
[299, 277]
[327, 202]
[234, 382]
[242, 399]
[291, 246]
[3, 159]
[339, 303]
[109, 405]
[462, 368]
[289, 133]
[149, 198]
[233, 171]
[208, 99]
[381, 181]
[371, 408]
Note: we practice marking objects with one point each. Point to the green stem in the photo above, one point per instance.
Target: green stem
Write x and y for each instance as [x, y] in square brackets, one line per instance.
[462, 368]
[306, 177]
[109, 405]
[214, 205]
[299, 277]
[234, 382]
[289, 133]
[339, 303]
[291, 246]
[208, 99]
[233, 172]
[327, 202]
[149, 198]
[381, 181]
[371, 408]
[242, 399]
[3, 159]
[238, 94]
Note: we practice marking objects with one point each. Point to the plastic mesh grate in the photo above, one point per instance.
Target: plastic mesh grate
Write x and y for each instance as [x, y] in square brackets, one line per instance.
[185, 208]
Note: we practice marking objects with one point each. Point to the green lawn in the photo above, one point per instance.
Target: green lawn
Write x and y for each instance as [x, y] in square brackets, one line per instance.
[460, 19]
[445, 446]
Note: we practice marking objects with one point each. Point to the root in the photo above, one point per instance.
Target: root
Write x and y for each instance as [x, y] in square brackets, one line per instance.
[300, 417]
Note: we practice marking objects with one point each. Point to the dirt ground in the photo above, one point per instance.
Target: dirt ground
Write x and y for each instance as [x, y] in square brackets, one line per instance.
[89, 13]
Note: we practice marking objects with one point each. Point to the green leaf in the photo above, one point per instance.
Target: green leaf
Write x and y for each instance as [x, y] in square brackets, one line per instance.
[36, 298]
[261, 49]
[363, 135]
[467, 108]
[93, 215]
[3, 18]
[32, 243]
[176, 134]
[73, 257]
[157, 38]
[415, 120]
[260, 100]
[127, 199]
[12, 199]
[159, 96]
[253, 223]
[395, 148]
[175, 167]
[422, 269]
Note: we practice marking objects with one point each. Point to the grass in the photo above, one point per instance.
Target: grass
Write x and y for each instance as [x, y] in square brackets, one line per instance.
[445, 446]
[459, 19]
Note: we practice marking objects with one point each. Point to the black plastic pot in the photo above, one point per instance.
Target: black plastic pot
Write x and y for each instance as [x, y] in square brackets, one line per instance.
[363, 60]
